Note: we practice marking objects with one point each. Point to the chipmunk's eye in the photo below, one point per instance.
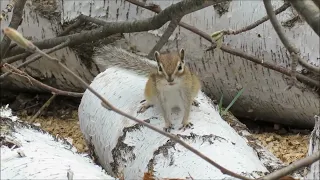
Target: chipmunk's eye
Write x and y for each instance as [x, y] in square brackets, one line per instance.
[180, 67]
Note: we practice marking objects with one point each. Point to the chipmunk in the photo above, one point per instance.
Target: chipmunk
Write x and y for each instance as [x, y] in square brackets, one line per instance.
[170, 82]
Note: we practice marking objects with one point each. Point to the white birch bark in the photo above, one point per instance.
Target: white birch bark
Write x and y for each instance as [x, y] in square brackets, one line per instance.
[38, 155]
[314, 146]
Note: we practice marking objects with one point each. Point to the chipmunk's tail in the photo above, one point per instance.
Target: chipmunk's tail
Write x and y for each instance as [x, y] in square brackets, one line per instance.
[113, 56]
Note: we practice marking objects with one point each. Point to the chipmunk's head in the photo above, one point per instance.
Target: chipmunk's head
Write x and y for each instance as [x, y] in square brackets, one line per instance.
[170, 65]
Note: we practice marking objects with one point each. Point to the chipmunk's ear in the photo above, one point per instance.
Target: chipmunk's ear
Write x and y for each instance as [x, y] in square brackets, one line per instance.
[156, 56]
[181, 53]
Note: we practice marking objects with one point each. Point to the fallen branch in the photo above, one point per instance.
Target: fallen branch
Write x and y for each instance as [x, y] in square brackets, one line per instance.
[179, 9]
[52, 89]
[282, 8]
[285, 41]
[14, 23]
[293, 167]
[21, 41]
[45, 105]
[60, 46]
[156, 8]
[164, 38]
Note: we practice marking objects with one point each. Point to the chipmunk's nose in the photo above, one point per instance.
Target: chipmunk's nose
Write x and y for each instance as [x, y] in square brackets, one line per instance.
[170, 79]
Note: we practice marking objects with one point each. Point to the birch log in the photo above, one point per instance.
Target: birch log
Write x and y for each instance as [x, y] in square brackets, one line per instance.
[30, 153]
[124, 147]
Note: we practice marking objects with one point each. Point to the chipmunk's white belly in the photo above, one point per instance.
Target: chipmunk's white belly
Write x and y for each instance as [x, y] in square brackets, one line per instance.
[172, 97]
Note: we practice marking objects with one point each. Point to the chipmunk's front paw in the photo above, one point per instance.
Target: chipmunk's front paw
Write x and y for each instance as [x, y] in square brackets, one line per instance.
[186, 126]
[195, 103]
[168, 128]
[144, 107]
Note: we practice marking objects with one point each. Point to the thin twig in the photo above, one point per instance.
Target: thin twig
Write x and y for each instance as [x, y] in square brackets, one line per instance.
[52, 89]
[91, 19]
[71, 27]
[15, 58]
[164, 38]
[14, 23]
[157, 9]
[285, 41]
[293, 167]
[45, 105]
[60, 46]
[268, 65]
[282, 8]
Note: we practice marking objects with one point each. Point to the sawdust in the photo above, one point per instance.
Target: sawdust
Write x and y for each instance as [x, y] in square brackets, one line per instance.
[288, 148]
[67, 128]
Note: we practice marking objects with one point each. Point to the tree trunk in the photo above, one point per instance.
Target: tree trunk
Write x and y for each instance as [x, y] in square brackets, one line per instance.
[124, 147]
[28, 152]
[221, 73]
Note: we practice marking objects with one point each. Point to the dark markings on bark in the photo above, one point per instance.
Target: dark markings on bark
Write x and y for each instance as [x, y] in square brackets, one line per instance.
[23, 124]
[161, 150]
[122, 150]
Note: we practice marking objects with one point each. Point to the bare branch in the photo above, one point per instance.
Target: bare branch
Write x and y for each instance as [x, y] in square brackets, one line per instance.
[52, 89]
[164, 38]
[60, 46]
[279, 30]
[157, 9]
[93, 20]
[268, 65]
[293, 167]
[15, 58]
[71, 27]
[45, 105]
[282, 8]
[179, 9]
[15, 23]
[310, 12]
